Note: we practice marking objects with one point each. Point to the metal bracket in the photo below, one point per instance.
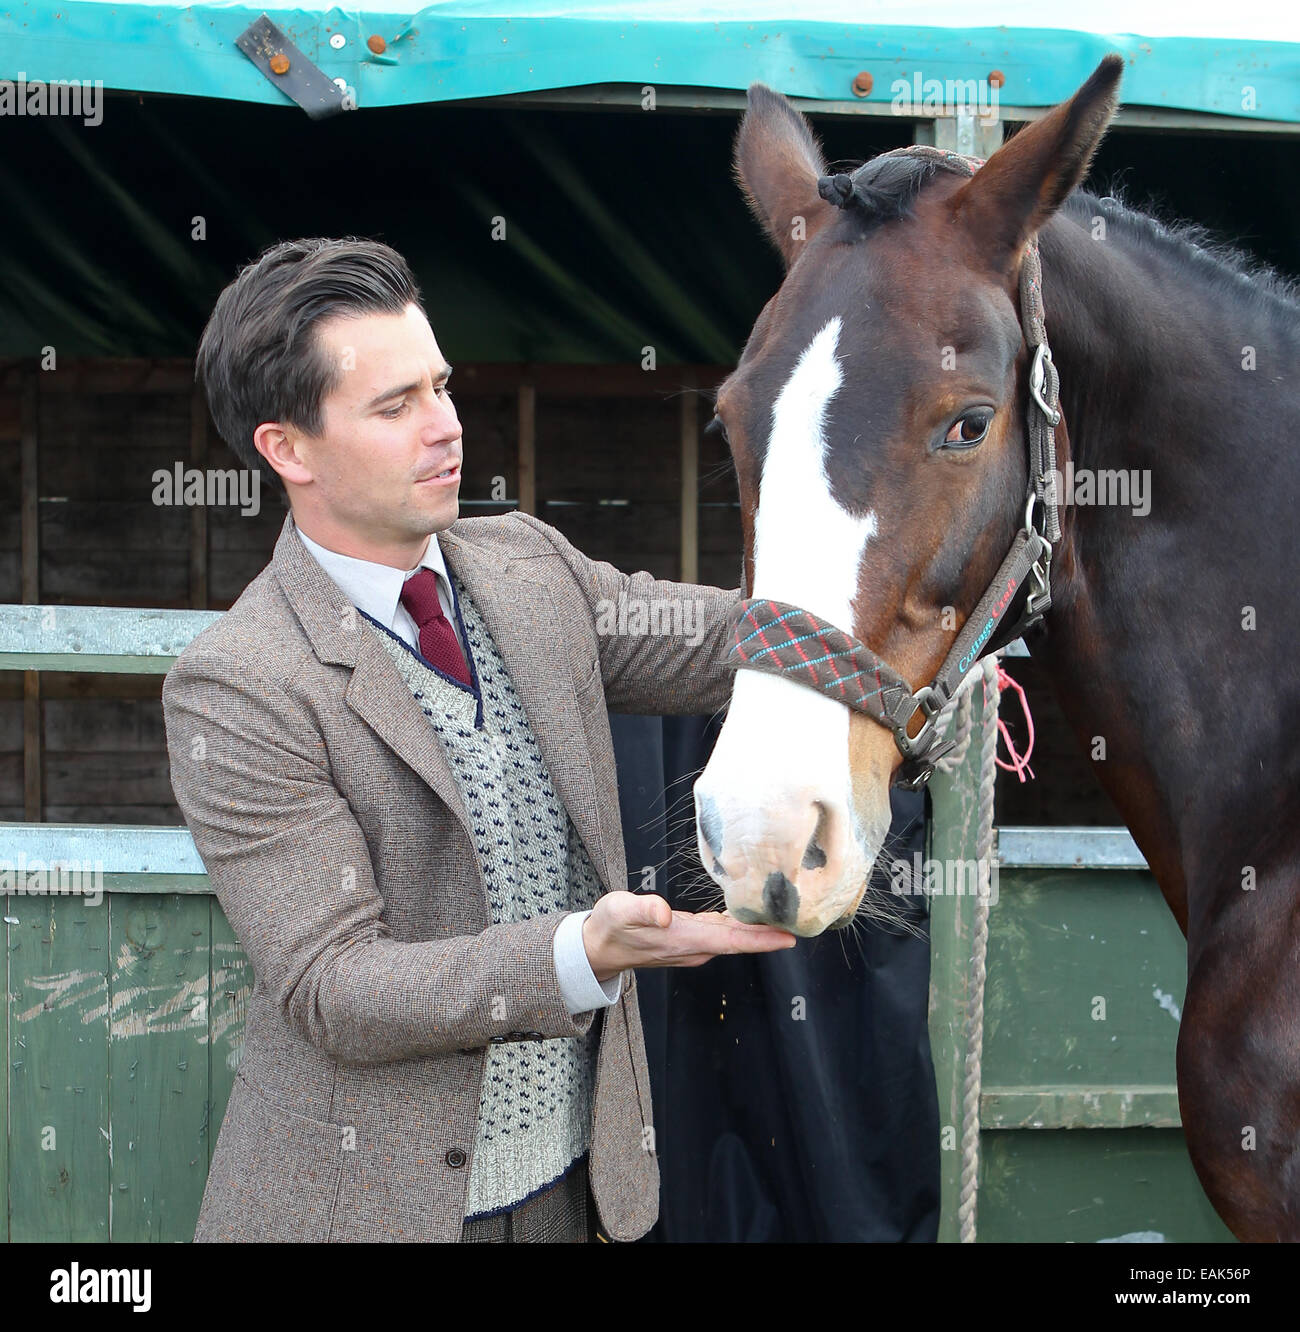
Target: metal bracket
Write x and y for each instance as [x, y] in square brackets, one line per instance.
[285, 66]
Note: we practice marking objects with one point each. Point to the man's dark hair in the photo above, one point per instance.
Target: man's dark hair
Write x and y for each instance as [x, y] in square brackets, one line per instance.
[259, 359]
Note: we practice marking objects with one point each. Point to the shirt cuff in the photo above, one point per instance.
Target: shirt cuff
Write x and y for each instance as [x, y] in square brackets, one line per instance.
[578, 984]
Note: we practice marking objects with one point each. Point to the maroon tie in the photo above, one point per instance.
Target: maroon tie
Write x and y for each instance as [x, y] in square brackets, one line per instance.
[438, 641]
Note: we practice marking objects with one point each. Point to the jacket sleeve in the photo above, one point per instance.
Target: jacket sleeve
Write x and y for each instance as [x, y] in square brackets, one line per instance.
[292, 870]
[663, 646]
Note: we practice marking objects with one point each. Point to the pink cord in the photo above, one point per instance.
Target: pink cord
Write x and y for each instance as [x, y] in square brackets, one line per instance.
[1019, 764]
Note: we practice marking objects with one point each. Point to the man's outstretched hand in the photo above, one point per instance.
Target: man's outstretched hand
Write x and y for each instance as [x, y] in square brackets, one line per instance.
[637, 930]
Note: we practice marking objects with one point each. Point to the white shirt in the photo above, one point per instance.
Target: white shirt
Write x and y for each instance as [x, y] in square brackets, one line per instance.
[377, 590]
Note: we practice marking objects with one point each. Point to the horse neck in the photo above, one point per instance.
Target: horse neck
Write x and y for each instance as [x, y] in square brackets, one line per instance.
[1146, 641]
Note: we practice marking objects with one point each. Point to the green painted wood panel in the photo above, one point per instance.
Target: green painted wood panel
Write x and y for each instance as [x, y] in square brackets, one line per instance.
[4, 1081]
[59, 1167]
[158, 1064]
[125, 1027]
[1086, 975]
[232, 983]
[1086, 1185]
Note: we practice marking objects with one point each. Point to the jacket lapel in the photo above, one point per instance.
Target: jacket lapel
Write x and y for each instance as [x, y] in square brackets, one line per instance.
[523, 622]
[376, 692]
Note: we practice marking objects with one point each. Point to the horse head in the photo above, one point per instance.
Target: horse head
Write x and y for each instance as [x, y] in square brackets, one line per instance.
[877, 421]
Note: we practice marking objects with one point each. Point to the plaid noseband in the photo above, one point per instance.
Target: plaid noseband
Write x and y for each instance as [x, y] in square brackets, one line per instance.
[789, 641]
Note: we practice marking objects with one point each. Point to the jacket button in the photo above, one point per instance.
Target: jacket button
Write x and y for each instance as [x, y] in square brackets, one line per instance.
[455, 1158]
[467, 1052]
[534, 1035]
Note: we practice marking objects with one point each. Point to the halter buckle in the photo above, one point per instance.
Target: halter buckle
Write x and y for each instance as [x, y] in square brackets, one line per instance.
[1039, 600]
[930, 702]
[1038, 381]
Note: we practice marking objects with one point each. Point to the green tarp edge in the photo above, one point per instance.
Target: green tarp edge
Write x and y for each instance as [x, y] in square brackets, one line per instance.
[439, 54]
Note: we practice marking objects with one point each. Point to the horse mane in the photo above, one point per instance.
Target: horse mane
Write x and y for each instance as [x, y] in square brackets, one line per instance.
[1191, 246]
[885, 188]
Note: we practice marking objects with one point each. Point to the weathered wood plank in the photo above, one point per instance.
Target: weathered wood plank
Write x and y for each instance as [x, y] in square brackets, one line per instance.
[33, 776]
[199, 426]
[60, 1138]
[527, 461]
[1068, 848]
[1072, 1107]
[124, 858]
[10, 924]
[952, 837]
[689, 431]
[158, 1066]
[123, 777]
[153, 815]
[231, 985]
[96, 638]
[104, 725]
[1082, 1188]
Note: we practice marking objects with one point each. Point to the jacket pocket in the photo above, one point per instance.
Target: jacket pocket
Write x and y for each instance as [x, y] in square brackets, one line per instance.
[275, 1174]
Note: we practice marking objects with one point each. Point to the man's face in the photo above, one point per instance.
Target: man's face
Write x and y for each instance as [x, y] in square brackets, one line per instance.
[370, 484]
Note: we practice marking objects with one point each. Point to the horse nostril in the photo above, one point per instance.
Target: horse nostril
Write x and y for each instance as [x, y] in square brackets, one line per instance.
[781, 898]
[718, 871]
[710, 825]
[814, 857]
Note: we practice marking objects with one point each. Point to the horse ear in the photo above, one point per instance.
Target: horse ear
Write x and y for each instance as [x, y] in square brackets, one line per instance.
[777, 162]
[1032, 175]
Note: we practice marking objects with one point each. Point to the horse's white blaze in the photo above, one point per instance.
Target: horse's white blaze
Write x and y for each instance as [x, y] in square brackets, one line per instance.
[806, 547]
[784, 747]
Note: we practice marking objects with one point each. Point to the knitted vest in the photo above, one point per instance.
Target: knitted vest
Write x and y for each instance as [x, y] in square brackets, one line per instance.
[534, 1116]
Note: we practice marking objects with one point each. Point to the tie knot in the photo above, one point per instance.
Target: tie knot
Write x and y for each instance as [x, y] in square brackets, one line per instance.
[420, 597]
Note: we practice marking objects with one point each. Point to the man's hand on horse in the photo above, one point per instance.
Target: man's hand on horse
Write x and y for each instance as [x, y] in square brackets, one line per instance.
[641, 930]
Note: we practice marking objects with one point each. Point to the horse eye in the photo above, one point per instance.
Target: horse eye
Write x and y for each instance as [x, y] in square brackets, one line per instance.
[969, 429]
[716, 427]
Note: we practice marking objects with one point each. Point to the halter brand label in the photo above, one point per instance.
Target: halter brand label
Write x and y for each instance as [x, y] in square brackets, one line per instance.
[965, 663]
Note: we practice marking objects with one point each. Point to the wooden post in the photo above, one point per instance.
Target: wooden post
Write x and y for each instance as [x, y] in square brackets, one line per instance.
[964, 133]
[31, 590]
[952, 837]
[198, 512]
[527, 445]
[690, 446]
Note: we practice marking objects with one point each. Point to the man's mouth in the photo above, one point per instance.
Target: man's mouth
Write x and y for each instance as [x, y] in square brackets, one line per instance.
[444, 478]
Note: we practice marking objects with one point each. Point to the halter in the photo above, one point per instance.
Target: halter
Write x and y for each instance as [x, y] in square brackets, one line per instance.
[794, 643]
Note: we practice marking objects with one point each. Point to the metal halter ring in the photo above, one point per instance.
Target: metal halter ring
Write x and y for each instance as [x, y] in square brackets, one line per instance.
[1037, 380]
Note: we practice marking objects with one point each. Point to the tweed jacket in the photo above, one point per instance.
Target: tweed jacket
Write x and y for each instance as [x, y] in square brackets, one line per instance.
[339, 847]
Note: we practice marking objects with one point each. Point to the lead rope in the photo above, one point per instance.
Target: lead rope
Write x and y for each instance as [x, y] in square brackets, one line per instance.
[970, 1108]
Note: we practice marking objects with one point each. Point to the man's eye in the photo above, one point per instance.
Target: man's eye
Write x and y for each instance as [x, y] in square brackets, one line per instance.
[394, 412]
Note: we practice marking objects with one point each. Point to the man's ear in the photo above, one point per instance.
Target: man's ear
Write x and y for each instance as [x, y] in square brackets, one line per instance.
[777, 162]
[1031, 176]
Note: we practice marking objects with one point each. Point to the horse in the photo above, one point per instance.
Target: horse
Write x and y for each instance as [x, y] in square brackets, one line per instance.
[884, 420]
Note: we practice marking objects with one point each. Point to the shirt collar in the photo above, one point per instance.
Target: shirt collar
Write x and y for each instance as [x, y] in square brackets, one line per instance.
[376, 588]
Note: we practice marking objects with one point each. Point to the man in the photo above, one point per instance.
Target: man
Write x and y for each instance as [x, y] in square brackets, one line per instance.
[394, 755]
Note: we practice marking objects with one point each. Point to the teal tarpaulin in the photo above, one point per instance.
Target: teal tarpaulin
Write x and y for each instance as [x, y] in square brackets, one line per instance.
[1228, 59]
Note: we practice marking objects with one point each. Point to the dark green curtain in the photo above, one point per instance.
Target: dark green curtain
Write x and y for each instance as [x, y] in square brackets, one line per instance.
[623, 229]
